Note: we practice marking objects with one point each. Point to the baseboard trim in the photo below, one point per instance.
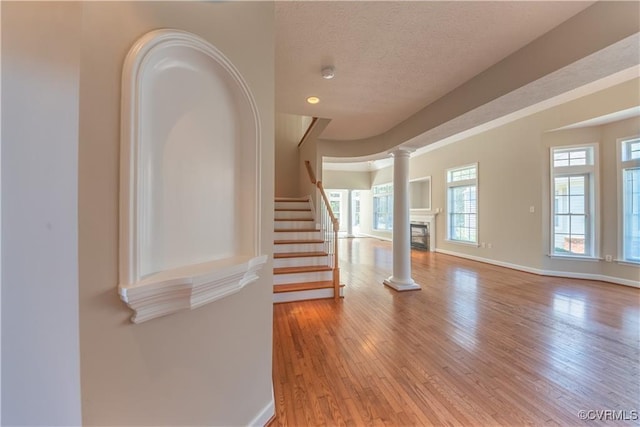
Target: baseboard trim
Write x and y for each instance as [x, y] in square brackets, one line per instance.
[266, 415]
[388, 239]
[567, 274]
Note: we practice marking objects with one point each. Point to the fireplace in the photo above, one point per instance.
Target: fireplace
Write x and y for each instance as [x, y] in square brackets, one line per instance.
[420, 236]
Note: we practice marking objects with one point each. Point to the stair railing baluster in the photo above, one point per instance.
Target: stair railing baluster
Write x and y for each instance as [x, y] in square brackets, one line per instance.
[330, 228]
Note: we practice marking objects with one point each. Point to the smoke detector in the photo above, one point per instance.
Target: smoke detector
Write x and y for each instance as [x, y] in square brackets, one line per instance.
[328, 73]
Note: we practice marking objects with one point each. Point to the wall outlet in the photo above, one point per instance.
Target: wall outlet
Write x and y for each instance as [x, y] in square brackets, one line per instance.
[532, 209]
[482, 245]
[608, 258]
[489, 245]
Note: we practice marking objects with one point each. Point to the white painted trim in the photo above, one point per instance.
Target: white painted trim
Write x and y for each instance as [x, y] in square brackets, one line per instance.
[185, 286]
[424, 179]
[593, 237]
[0, 219]
[620, 165]
[387, 239]
[188, 288]
[567, 274]
[401, 286]
[575, 258]
[263, 417]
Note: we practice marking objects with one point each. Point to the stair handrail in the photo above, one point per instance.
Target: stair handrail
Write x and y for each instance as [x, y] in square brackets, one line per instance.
[330, 236]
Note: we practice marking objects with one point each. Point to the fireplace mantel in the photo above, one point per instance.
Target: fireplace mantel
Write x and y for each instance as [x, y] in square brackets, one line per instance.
[425, 216]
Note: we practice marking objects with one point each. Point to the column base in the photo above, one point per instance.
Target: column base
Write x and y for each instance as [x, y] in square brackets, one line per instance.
[401, 286]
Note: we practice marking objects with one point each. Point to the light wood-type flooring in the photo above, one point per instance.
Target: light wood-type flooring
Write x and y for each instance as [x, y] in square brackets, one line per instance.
[478, 345]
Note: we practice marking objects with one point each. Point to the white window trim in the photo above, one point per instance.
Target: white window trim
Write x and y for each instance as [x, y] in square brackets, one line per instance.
[462, 183]
[620, 165]
[594, 200]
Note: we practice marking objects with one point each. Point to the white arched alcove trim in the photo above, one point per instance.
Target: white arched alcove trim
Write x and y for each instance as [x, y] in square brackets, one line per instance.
[189, 176]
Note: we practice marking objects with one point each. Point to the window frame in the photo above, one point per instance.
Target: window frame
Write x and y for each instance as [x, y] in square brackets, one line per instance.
[463, 183]
[592, 196]
[623, 165]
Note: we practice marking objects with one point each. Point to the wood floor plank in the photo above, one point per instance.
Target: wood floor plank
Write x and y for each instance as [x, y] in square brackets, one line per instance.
[478, 345]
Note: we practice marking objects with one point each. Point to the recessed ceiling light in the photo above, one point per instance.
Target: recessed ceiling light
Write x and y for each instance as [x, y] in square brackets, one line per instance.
[313, 100]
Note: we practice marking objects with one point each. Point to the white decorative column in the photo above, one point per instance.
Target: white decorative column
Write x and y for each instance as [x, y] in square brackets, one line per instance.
[401, 278]
[350, 213]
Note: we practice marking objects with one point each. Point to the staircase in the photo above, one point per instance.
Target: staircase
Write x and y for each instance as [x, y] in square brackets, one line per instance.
[301, 260]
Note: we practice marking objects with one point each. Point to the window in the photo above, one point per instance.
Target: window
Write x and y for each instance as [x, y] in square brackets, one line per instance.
[335, 198]
[356, 209]
[573, 188]
[630, 198]
[383, 207]
[462, 201]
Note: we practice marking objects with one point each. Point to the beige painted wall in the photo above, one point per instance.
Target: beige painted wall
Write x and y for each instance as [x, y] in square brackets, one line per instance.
[514, 175]
[209, 366]
[346, 180]
[289, 129]
[606, 137]
[309, 151]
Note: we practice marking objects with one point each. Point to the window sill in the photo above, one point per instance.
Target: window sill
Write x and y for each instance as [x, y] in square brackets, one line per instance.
[463, 243]
[575, 258]
[626, 262]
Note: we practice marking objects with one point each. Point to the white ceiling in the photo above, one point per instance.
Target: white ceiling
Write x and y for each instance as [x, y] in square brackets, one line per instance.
[394, 58]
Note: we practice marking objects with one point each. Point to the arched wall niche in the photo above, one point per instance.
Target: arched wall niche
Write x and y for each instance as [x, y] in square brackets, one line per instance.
[189, 171]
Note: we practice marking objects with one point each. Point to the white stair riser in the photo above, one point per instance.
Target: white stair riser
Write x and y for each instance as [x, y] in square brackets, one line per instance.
[313, 276]
[280, 225]
[305, 295]
[293, 214]
[300, 261]
[297, 235]
[298, 247]
[291, 205]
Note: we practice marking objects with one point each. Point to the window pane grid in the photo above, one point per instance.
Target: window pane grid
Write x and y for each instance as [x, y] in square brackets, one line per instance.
[570, 219]
[572, 157]
[462, 174]
[383, 207]
[631, 149]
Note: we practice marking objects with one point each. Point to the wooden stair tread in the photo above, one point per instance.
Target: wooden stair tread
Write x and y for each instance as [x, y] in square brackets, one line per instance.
[297, 242]
[299, 254]
[293, 230]
[292, 210]
[303, 269]
[294, 219]
[308, 286]
[292, 200]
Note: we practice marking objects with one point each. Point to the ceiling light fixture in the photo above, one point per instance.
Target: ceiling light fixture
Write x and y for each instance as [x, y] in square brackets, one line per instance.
[328, 73]
[313, 100]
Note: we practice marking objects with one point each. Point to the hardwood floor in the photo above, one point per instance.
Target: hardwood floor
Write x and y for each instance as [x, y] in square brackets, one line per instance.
[478, 345]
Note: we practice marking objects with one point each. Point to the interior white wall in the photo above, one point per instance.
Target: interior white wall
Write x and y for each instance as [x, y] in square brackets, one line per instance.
[209, 366]
[40, 343]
